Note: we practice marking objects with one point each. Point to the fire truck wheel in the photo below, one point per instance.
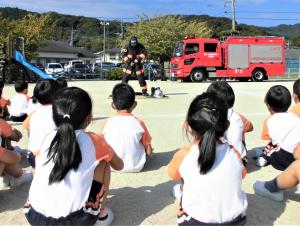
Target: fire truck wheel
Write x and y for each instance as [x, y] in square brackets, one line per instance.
[198, 76]
[258, 75]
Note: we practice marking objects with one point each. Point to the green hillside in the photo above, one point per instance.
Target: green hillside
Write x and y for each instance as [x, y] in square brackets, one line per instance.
[89, 33]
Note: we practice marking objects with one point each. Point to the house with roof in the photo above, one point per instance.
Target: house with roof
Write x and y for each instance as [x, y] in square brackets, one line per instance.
[61, 52]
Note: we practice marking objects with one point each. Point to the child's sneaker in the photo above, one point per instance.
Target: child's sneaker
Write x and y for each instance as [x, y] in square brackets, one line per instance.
[4, 182]
[24, 178]
[105, 218]
[259, 188]
[177, 192]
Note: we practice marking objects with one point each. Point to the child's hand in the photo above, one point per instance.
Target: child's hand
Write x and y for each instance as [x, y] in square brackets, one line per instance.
[16, 135]
[149, 150]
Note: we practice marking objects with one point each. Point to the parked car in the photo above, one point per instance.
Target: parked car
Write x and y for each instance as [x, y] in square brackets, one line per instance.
[105, 66]
[70, 64]
[54, 69]
[80, 70]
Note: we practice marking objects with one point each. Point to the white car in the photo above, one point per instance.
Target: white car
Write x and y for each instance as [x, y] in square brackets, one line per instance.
[54, 69]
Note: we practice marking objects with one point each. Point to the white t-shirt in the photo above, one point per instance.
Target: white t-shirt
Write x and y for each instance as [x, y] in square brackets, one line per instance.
[32, 106]
[40, 125]
[217, 196]
[234, 133]
[283, 129]
[18, 106]
[70, 194]
[128, 136]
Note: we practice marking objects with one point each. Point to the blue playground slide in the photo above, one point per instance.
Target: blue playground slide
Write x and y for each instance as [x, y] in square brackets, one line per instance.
[21, 59]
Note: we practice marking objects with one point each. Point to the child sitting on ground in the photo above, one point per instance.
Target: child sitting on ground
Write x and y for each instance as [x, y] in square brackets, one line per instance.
[210, 168]
[239, 125]
[281, 129]
[39, 123]
[125, 133]
[10, 171]
[18, 109]
[3, 103]
[73, 167]
[289, 178]
[296, 96]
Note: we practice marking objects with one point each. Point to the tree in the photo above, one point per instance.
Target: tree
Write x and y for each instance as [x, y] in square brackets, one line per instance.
[33, 29]
[159, 34]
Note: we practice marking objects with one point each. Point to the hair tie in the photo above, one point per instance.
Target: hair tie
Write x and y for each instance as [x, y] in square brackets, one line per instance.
[66, 116]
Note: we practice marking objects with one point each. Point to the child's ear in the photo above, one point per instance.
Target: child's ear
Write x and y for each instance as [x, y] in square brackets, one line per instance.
[88, 120]
[295, 97]
[187, 127]
[113, 105]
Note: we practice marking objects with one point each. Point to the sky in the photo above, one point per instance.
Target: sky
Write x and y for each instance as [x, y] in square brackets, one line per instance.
[253, 12]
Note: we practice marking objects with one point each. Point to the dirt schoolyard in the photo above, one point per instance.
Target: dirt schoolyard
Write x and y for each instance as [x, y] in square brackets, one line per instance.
[145, 198]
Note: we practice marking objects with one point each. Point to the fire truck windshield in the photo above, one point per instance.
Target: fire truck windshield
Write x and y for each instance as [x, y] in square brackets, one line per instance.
[178, 49]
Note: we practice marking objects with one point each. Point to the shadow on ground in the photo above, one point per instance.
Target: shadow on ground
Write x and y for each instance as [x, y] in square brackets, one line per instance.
[131, 206]
[158, 160]
[255, 213]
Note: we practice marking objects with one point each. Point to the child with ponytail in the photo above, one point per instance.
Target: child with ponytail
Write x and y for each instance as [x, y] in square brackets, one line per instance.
[211, 170]
[73, 166]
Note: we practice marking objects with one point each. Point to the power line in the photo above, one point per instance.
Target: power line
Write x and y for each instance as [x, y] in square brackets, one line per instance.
[257, 18]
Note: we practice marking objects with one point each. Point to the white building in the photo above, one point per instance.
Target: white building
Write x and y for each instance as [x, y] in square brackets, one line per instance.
[111, 55]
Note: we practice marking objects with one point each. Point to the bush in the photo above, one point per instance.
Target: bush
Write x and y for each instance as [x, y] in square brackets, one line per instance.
[115, 74]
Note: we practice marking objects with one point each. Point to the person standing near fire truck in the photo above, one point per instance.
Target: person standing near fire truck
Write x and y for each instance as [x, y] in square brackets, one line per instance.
[133, 55]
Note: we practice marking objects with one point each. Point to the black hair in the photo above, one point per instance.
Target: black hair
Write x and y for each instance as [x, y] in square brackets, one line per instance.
[62, 82]
[71, 107]
[1, 88]
[296, 88]
[20, 86]
[224, 91]
[123, 96]
[207, 117]
[44, 91]
[278, 98]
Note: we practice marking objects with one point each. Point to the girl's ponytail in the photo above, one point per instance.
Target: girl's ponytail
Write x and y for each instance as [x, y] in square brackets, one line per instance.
[207, 151]
[64, 151]
[207, 117]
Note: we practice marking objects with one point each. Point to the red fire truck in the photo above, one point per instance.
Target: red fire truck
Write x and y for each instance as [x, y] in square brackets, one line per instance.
[242, 58]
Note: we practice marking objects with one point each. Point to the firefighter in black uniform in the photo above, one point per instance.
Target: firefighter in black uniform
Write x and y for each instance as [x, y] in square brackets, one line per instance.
[133, 55]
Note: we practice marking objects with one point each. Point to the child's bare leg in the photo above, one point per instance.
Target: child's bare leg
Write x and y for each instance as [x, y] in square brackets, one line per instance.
[102, 174]
[14, 170]
[290, 177]
[11, 163]
[2, 166]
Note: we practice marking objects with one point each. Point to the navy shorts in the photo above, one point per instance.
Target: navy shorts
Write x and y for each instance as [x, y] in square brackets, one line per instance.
[79, 218]
[240, 220]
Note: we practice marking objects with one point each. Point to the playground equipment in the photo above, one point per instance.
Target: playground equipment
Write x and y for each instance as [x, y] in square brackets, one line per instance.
[13, 64]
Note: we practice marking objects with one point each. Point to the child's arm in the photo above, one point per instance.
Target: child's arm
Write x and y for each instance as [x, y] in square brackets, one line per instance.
[173, 166]
[248, 127]
[116, 162]
[16, 135]
[297, 152]
[149, 150]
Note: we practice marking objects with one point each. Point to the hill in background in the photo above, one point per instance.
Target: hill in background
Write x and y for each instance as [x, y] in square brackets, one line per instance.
[89, 33]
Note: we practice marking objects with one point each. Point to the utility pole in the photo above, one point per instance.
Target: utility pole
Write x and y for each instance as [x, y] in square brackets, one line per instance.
[104, 24]
[122, 29]
[233, 14]
[72, 37]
